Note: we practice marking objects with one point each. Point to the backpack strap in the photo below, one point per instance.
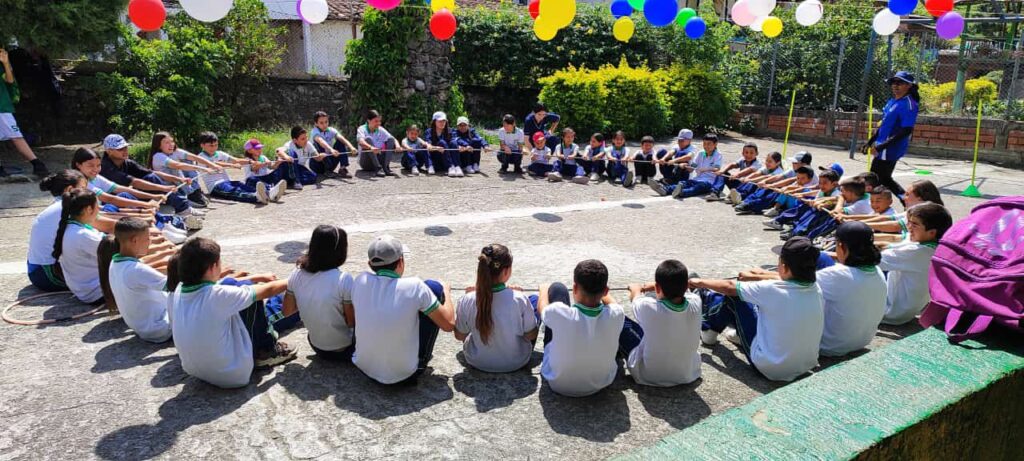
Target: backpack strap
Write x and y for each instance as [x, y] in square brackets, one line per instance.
[962, 325]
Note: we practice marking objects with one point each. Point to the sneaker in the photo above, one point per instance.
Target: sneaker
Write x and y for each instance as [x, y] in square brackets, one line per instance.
[196, 212]
[459, 173]
[714, 197]
[172, 236]
[503, 170]
[343, 173]
[388, 172]
[476, 168]
[331, 175]
[381, 173]
[630, 179]
[709, 337]
[198, 199]
[734, 198]
[772, 224]
[581, 180]
[277, 191]
[732, 336]
[595, 177]
[554, 177]
[262, 194]
[785, 236]
[281, 353]
[196, 205]
[415, 171]
[430, 170]
[295, 186]
[677, 192]
[772, 213]
[518, 171]
[192, 222]
[659, 188]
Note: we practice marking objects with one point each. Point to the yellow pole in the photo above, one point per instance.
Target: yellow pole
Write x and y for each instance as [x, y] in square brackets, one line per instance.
[871, 120]
[785, 143]
[972, 190]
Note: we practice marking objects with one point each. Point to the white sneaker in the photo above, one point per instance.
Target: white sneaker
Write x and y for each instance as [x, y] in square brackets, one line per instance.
[678, 191]
[193, 212]
[630, 179]
[595, 177]
[430, 170]
[732, 336]
[554, 177]
[172, 236]
[771, 213]
[282, 188]
[459, 173]
[734, 198]
[451, 172]
[581, 180]
[415, 171]
[772, 224]
[709, 337]
[262, 194]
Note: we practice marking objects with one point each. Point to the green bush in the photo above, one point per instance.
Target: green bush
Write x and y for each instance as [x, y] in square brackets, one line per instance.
[579, 96]
[939, 97]
[699, 98]
[636, 102]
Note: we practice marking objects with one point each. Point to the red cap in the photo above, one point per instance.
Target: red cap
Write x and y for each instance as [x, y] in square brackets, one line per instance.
[538, 136]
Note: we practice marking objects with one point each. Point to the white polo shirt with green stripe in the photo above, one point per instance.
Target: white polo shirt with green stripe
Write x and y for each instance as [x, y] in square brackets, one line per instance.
[387, 309]
[668, 354]
[580, 359]
[790, 322]
[210, 336]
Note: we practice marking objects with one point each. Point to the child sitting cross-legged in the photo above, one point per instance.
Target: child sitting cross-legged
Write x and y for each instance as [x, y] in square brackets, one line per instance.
[328, 140]
[704, 166]
[672, 164]
[416, 159]
[222, 331]
[805, 187]
[469, 144]
[593, 161]
[643, 161]
[618, 161]
[219, 184]
[581, 339]
[295, 157]
[513, 144]
[540, 157]
[568, 155]
[907, 263]
[665, 337]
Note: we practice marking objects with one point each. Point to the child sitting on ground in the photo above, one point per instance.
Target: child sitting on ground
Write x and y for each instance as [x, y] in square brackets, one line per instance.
[222, 331]
[747, 164]
[618, 161]
[540, 163]
[322, 294]
[907, 263]
[496, 323]
[167, 158]
[824, 198]
[673, 164]
[666, 334]
[593, 157]
[772, 170]
[417, 153]
[328, 140]
[136, 287]
[295, 156]
[764, 197]
[261, 169]
[643, 161]
[220, 184]
[568, 153]
[853, 292]
[581, 339]
[513, 142]
[881, 201]
[376, 146]
[470, 145]
[789, 197]
[705, 165]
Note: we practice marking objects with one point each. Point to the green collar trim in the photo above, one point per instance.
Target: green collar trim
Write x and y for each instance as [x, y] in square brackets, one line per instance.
[368, 130]
[931, 245]
[800, 283]
[673, 306]
[80, 224]
[589, 311]
[118, 257]
[868, 269]
[498, 287]
[196, 287]
[388, 273]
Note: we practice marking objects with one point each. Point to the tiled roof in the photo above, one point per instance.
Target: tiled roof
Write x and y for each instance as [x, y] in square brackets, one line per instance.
[352, 10]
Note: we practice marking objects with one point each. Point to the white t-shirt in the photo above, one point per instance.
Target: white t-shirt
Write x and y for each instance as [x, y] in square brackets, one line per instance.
[102, 184]
[210, 336]
[140, 295]
[300, 154]
[580, 359]
[319, 297]
[218, 156]
[569, 152]
[43, 234]
[668, 354]
[790, 321]
[854, 305]
[907, 265]
[160, 160]
[78, 261]
[387, 324]
[263, 171]
[513, 140]
[377, 138]
[703, 161]
[589, 152]
[541, 155]
[861, 206]
[506, 349]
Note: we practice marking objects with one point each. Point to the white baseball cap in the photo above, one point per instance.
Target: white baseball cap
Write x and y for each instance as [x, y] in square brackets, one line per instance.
[462, 120]
[385, 250]
[440, 116]
[685, 134]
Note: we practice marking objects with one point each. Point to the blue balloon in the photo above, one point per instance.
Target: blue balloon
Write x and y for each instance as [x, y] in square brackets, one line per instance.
[661, 13]
[695, 27]
[902, 7]
[621, 8]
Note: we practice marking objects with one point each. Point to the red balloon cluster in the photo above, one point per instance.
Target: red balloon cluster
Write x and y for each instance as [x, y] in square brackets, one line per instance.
[938, 7]
[534, 8]
[443, 24]
[147, 15]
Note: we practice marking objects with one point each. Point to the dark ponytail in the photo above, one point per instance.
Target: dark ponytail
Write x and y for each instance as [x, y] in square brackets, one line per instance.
[915, 93]
[73, 203]
[104, 255]
[56, 183]
[173, 277]
[492, 261]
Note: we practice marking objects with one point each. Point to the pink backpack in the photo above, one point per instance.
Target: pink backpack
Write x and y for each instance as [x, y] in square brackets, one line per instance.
[977, 273]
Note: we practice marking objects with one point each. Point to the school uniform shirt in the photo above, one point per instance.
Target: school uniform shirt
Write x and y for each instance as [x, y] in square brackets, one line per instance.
[777, 171]
[211, 180]
[263, 171]
[742, 164]
[589, 152]
[580, 359]
[888, 212]
[320, 297]
[124, 174]
[506, 349]
[513, 140]
[161, 159]
[668, 354]
[619, 153]
[568, 152]
[790, 321]
[907, 280]
[897, 113]
[8, 93]
[854, 305]
[300, 154]
[541, 155]
[210, 336]
[861, 206]
[387, 323]
[677, 152]
[43, 234]
[330, 135]
[141, 299]
[78, 261]
[703, 160]
[822, 194]
[377, 138]
[531, 125]
[419, 143]
[101, 185]
[469, 137]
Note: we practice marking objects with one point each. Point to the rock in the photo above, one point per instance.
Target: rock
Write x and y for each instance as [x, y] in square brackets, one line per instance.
[420, 86]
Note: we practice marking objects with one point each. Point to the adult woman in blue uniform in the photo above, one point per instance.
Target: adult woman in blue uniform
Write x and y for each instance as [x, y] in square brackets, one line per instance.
[892, 138]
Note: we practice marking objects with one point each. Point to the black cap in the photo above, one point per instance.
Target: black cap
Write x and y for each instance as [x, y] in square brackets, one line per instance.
[855, 235]
[800, 252]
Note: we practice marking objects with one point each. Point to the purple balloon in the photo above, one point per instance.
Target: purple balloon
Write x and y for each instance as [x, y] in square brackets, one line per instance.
[950, 25]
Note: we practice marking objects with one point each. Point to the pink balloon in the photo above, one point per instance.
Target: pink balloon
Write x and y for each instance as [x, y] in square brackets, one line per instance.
[384, 5]
[741, 15]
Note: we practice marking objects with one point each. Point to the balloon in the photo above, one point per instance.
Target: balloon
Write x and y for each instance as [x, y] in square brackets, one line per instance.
[623, 29]
[315, 11]
[637, 4]
[660, 13]
[760, 7]
[885, 22]
[438, 5]
[207, 10]
[443, 24]
[902, 7]
[544, 29]
[534, 8]
[684, 15]
[938, 8]
[560, 13]
[772, 27]
[383, 5]
[695, 27]
[809, 13]
[950, 25]
[621, 8]
[741, 14]
[758, 24]
[147, 15]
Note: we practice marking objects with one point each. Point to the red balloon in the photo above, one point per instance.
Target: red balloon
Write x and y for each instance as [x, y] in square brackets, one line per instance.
[148, 15]
[443, 24]
[534, 8]
[938, 7]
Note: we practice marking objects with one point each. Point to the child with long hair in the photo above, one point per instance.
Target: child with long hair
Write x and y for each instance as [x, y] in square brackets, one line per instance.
[618, 161]
[43, 270]
[328, 140]
[74, 247]
[166, 157]
[443, 154]
[496, 323]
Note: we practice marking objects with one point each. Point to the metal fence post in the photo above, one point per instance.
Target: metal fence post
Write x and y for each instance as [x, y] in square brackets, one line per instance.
[1016, 72]
[839, 73]
[888, 68]
[771, 82]
[863, 93]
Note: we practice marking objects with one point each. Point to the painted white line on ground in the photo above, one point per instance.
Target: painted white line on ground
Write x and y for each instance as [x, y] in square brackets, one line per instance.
[18, 267]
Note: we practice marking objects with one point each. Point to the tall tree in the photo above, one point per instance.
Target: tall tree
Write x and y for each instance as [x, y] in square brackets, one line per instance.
[57, 27]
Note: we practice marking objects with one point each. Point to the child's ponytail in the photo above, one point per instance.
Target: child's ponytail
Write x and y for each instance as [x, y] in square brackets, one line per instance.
[56, 183]
[104, 255]
[493, 259]
[73, 203]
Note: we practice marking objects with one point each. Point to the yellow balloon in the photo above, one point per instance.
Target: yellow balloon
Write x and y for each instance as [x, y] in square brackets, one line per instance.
[772, 27]
[438, 5]
[623, 29]
[544, 29]
[561, 12]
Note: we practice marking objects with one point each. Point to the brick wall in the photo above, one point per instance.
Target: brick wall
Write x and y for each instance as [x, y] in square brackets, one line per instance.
[1015, 141]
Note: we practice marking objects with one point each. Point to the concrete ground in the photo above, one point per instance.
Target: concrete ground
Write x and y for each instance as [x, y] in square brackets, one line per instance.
[90, 389]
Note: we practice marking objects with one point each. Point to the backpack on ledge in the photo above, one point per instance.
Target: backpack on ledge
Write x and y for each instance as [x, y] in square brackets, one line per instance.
[977, 273]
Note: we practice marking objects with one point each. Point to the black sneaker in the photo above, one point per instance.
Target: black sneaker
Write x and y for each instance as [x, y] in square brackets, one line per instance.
[518, 171]
[503, 170]
[3, 172]
[281, 353]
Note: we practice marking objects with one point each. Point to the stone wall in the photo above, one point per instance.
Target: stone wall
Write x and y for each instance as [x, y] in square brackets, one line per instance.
[1001, 142]
[491, 103]
[429, 75]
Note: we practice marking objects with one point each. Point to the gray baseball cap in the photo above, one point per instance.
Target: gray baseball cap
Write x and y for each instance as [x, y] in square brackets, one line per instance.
[385, 250]
[684, 134]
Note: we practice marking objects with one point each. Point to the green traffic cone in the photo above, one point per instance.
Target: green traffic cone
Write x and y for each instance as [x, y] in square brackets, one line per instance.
[971, 191]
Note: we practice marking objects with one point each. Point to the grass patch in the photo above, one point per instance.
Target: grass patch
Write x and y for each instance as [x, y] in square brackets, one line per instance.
[231, 143]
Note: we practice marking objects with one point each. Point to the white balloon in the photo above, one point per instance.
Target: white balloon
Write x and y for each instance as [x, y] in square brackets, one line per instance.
[761, 7]
[207, 10]
[886, 22]
[313, 11]
[809, 12]
[758, 25]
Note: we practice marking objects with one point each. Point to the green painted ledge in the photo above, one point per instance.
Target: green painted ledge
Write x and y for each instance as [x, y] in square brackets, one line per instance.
[851, 408]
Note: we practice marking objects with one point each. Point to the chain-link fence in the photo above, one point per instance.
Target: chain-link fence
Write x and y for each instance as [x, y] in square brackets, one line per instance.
[843, 75]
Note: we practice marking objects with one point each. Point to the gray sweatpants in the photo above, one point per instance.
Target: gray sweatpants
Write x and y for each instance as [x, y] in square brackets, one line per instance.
[368, 161]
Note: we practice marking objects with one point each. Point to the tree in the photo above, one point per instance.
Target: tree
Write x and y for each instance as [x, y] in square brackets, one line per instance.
[58, 27]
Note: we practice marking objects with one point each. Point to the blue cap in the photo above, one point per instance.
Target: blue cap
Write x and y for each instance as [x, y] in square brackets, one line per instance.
[115, 141]
[902, 76]
[834, 167]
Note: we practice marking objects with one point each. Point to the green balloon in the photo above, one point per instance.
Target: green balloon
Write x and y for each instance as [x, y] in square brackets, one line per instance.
[684, 15]
[637, 4]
